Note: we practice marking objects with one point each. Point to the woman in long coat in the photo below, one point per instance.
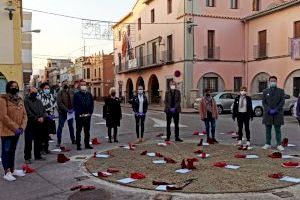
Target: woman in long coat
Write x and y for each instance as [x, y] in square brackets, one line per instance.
[112, 114]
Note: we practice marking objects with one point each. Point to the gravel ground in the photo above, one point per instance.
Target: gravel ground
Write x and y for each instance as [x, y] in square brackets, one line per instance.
[251, 177]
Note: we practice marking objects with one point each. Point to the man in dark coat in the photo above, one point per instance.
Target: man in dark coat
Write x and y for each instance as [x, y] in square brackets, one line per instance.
[37, 115]
[243, 111]
[112, 114]
[172, 110]
[273, 102]
[84, 108]
[65, 106]
[140, 108]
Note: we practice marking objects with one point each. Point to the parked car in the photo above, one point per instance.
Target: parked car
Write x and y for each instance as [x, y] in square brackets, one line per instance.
[223, 99]
[258, 107]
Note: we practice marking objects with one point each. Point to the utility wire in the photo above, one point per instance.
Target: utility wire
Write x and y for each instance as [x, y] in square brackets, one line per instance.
[103, 21]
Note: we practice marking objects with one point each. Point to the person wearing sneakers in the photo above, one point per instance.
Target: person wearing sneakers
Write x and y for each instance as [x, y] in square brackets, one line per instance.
[140, 107]
[208, 111]
[172, 110]
[84, 108]
[273, 102]
[112, 113]
[243, 112]
[13, 120]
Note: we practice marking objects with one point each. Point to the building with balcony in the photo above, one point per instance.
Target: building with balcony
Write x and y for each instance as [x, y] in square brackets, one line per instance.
[11, 43]
[102, 74]
[214, 44]
[54, 69]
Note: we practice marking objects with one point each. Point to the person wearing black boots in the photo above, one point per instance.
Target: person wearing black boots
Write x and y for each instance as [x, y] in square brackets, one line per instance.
[84, 108]
[112, 114]
[140, 107]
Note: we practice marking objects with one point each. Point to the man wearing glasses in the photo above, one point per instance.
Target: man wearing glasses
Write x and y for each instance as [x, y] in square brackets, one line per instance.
[243, 112]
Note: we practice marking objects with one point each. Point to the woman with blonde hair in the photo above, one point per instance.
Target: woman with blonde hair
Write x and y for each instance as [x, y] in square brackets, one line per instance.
[112, 114]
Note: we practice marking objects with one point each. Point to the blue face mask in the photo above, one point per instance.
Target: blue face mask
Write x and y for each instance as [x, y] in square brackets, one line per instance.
[273, 84]
[47, 91]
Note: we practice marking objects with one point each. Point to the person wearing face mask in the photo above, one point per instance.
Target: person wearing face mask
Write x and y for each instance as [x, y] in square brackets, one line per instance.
[13, 120]
[273, 102]
[37, 116]
[112, 113]
[243, 112]
[209, 114]
[65, 106]
[84, 108]
[140, 107]
[49, 104]
[172, 110]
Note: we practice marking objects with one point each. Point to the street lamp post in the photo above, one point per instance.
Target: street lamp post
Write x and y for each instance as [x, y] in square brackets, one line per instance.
[33, 31]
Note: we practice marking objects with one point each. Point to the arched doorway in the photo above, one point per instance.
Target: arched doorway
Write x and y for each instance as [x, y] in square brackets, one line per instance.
[3, 83]
[259, 82]
[129, 89]
[212, 81]
[153, 87]
[292, 84]
[140, 82]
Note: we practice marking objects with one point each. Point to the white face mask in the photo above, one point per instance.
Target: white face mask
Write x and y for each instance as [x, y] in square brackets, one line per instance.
[243, 92]
[172, 87]
[83, 88]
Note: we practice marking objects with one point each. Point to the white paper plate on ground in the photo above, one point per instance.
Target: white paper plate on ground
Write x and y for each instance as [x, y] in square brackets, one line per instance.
[159, 162]
[151, 154]
[183, 171]
[56, 150]
[234, 167]
[163, 187]
[126, 180]
[290, 179]
[102, 156]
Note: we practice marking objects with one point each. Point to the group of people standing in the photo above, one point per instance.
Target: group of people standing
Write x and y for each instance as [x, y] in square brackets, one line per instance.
[35, 117]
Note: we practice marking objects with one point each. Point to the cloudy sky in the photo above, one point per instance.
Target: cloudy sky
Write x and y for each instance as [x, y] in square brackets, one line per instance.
[61, 37]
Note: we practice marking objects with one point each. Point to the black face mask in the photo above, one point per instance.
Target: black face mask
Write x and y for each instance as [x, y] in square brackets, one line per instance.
[33, 95]
[66, 87]
[13, 91]
[208, 95]
[113, 94]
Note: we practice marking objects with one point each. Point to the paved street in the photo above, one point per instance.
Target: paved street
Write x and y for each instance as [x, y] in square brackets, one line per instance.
[53, 181]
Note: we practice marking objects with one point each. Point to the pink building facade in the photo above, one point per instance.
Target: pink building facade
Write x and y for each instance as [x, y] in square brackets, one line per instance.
[206, 44]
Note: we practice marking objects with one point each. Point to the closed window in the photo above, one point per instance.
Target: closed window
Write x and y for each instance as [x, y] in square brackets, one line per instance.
[255, 5]
[120, 36]
[210, 83]
[297, 29]
[170, 48]
[237, 83]
[169, 6]
[152, 16]
[139, 24]
[88, 76]
[262, 44]
[211, 44]
[128, 30]
[234, 4]
[210, 3]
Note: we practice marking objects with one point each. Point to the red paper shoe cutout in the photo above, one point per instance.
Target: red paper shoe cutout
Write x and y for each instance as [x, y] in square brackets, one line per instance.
[61, 158]
[85, 188]
[64, 149]
[276, 155]
[112, 170]
[290, 164]
[198, 151]
[200, 143]
[158, 155]
[137, 175]
[27, 169]
[144, 153]
[285, 142]
[95, 141]
[196, 133]
[277, 175]
[220, 164]
[170, 160]
[240, 155]
[210, 141]
[76, 187]
[183, 164]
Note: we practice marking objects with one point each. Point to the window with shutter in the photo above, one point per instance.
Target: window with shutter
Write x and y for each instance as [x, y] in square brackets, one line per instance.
[297, 29]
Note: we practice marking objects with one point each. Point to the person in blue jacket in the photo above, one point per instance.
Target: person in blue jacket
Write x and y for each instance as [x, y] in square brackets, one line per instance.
[84, 108]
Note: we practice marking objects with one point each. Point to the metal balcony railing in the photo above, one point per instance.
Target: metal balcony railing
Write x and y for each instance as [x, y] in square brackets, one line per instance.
[167, 56]
[211, 53]
[260, 52]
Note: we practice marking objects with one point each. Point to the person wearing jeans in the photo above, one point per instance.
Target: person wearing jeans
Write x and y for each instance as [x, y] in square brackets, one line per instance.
[112, 113]
[209, 114]
[140, 107]
[172, 110]
[243, 111]
[273, 102]
[65, 106]
[84, 108]
[13, 120]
